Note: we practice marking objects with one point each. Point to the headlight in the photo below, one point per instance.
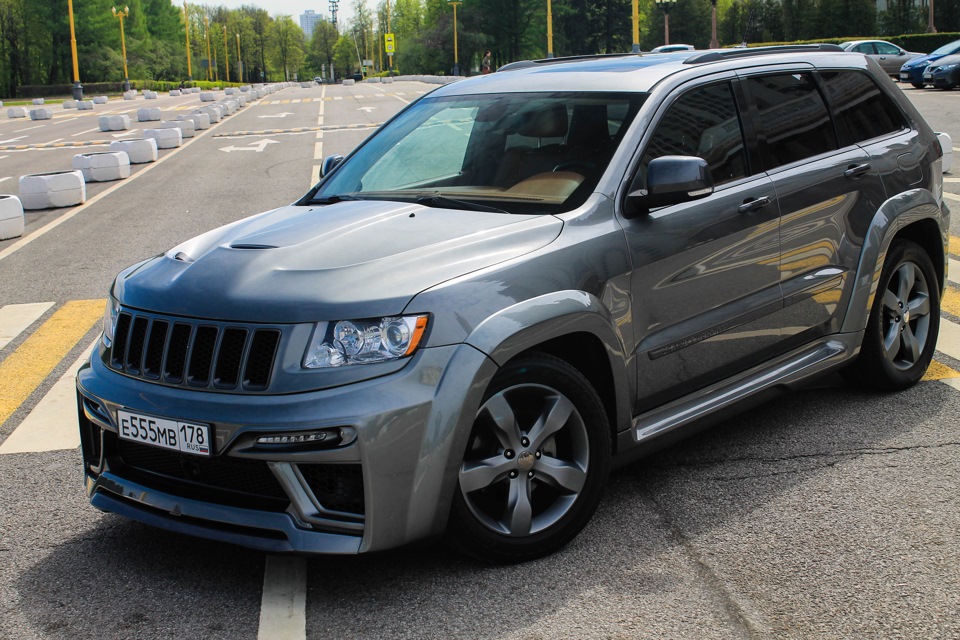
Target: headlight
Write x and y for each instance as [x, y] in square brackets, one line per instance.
[947, 67]
[336, 344]
[110, 320]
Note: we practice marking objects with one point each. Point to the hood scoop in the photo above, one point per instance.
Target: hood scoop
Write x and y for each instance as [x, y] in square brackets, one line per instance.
[251, 245]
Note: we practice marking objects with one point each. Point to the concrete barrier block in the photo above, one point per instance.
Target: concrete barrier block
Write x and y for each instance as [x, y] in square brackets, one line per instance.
[245, 88]
[150, 95]
[306, 85]
[41, 114]
[100, 100]
[54, 189]
[946, 142]
[349, 82]
[85, 105]
[129, 95]
[148, 114]
[69, 104]
[230, 91]
[200, 120]
[242, 100]
[11, 217]
[104, 166]
[207, 96]
[215, 113]
[17, 112]
[175, 93]
[187, 129]
[166, 138]
[375, 80]
[38, 101]
[216, 89]
[1, 104]
[119, 122]
[229, 106]
[388, 80]
[139, 150]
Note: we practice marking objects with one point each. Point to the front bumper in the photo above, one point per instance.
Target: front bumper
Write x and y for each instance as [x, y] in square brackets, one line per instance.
[391, 485]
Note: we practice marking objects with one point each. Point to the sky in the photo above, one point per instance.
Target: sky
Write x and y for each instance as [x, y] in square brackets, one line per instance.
[292, 8]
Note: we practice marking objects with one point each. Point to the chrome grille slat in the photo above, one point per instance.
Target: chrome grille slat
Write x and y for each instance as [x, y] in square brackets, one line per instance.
[194, 353]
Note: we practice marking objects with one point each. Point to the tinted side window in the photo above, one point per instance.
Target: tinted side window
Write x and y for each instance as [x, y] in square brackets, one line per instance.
[886, 49]
[703, 123]
[862, 110]
[792, 119]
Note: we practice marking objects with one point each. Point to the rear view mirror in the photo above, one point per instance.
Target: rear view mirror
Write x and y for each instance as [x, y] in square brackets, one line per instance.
[329, 164]
[671, 180]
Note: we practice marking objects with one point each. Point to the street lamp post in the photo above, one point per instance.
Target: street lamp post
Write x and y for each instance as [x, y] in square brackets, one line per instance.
[206, 22]
[239, 60]
[549, 29]
[456, 57]
[226, 55]
[930, 27]
[666, 5]
[714, 42]
[123, 13]
[636, 27]
[77, 87]
[186, 28]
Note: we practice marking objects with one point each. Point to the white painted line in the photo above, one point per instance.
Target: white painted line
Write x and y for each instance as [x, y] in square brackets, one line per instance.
[14, 318]
[951, 196]
[103, 194]
[338, 97]
[52, 425]
[318, 151]
[74, 135]
[948, 341]
[2, 157]
[283, 609]
[28, 128]
[951, 382]
[55, 141]
[953, 267]
[951, 179]
[7, 177]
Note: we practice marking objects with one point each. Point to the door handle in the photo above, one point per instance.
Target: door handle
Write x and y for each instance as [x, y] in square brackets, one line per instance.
[753, 204]
[856, 170]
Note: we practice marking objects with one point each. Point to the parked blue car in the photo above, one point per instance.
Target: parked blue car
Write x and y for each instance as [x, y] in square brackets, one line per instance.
[912, 71]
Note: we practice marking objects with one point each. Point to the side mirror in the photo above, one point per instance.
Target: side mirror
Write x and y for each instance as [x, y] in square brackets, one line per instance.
[670, 180]
[329, 164]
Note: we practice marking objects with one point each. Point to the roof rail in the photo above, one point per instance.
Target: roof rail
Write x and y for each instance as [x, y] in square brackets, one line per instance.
[743, 52]
[525, 64]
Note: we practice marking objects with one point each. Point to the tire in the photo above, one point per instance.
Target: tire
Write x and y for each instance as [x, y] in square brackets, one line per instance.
[897, 348]
[527, 486]
[916, 85]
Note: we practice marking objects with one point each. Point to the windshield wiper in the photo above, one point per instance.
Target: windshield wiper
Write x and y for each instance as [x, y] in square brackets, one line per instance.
[332, 199]
[451, 203]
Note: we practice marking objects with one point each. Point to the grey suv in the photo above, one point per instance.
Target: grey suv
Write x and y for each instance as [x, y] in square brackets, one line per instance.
[519, 282]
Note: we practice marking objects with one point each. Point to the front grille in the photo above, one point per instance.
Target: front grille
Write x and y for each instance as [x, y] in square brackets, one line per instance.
[194, 354]
[338, 487]
[220, 479]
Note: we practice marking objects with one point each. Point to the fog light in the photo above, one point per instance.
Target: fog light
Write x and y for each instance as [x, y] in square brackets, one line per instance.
[299, 438]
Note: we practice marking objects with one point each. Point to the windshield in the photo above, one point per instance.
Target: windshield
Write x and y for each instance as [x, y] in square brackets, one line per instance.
[947, 49]
[519, 153]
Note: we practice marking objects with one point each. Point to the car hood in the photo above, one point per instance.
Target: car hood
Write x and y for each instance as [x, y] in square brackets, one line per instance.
[922, 61]
[341, 261]
[946, 60]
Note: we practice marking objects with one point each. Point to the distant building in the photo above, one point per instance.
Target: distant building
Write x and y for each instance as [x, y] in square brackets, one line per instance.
[309, 18]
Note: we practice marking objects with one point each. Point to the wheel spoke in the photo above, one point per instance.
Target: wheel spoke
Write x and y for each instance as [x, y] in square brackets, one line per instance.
[891, 302]
[556, 412]
[907, 275]
[504, 421]
[910, 344]
[480, 474]
[919, 306]
[891, 342]
[519, 509]
[560, 474]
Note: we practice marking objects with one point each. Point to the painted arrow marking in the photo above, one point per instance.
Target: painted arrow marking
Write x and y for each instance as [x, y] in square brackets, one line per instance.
[125, 133]
[256, 146]
[278, 115]
[367, 109]
[12, 140]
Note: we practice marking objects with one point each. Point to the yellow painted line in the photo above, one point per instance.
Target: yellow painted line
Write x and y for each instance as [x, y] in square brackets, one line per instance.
[951, 302]
[15, 318]
[940, 371]
[27, 367]
[52, 425]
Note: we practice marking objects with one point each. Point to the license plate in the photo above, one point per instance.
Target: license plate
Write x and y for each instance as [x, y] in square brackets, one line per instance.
[904, 77]
[188, 437]
[928, 76]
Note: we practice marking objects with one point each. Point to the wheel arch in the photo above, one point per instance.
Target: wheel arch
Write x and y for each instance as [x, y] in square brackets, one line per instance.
[913, 216]
[573, 326]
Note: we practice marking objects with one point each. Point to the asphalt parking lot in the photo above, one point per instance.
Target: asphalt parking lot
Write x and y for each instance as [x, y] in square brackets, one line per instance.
[831, 513]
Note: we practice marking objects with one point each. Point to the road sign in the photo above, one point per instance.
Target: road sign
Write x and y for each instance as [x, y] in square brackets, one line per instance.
[388, 43]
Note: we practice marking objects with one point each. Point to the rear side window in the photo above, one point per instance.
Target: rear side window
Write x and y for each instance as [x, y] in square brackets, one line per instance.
[791, 118]
[862, 110]
[703, 123]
